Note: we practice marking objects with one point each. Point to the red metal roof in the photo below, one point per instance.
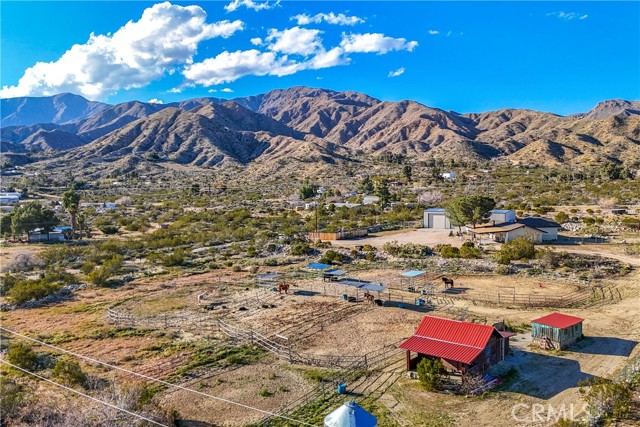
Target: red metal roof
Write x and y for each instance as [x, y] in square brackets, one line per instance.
[449, 339]
[558, 320]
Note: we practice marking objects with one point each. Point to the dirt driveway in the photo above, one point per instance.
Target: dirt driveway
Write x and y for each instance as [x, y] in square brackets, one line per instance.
[421, 236]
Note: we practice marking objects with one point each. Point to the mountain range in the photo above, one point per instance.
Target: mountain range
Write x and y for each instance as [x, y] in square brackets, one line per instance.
[307, 125]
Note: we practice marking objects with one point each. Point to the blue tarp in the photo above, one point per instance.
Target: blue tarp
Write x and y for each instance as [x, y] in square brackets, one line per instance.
[318, 266]
[413, 273]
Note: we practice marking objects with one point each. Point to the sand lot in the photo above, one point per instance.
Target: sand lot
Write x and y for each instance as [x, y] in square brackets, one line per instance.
[421, 236]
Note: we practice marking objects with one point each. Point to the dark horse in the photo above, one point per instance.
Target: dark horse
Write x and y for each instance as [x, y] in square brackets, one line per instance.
[448, 283]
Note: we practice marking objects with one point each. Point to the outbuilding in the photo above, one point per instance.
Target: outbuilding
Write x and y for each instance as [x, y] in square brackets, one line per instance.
[463, 347]
[437, 219]
[501, 216]
[556, 330]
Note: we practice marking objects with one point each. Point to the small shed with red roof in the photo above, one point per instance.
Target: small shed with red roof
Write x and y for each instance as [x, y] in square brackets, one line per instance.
[463, 347]
[556, 330]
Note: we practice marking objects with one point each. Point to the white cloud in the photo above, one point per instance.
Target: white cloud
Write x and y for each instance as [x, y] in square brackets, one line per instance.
[176, 90]
[230, 66]
[294, 41]
[250, 4]
[375, 43]
[212, 90]
[329, 18]
[396, 73]
[155, 101]
[166, 36]
[449, 33]
[227, 90]
[434, 32]
[290, 51]
[568, 16]
[256, 41]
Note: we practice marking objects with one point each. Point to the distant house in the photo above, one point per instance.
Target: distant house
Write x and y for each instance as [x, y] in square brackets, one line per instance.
[463, 347]
[39, 235]
[369, 200]
[437, 219]
[311, 205]
[6, 199]
[556, 330]
[506, 232]
[100, 207]
[449, 175]
[550, 228]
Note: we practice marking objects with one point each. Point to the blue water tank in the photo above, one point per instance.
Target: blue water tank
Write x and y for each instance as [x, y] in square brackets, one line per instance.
[342, 388]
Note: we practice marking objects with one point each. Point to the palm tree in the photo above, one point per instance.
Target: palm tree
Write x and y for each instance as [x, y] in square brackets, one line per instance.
[71, 202]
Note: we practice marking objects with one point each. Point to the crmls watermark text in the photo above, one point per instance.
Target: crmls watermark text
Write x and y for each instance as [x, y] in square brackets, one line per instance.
[538, 412]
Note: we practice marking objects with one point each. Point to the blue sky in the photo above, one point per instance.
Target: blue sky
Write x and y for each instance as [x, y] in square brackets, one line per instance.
[562, 57]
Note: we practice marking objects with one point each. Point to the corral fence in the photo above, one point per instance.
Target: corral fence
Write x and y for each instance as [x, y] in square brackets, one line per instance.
[532, 300]
[174, 320]
[630, 370]
[285, 352]
[326, 389]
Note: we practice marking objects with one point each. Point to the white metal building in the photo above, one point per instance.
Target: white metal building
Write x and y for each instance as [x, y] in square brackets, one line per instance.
[437, 219]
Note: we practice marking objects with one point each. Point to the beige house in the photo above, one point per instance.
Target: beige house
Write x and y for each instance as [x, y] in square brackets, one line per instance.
[506, 232]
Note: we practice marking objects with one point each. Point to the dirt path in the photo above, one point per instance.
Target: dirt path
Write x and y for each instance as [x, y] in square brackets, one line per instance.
[629, 259]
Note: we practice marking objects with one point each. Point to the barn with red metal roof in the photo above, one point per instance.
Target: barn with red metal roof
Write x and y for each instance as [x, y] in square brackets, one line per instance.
[556, 330]
[462, 347]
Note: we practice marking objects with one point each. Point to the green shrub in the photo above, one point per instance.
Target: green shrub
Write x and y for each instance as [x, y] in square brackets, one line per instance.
[8, 281]
[99, 276]
[448, 251]
[332, 257]
[68, 372]
[561, 217]
[520, 248]
[300, 248]
[88, 267]
[264, 392]
[27, 290]
[12, 396]
[22, 355]
[430, 374]
[468, 250]
[109, 229]
[174, 259]
[503, 270]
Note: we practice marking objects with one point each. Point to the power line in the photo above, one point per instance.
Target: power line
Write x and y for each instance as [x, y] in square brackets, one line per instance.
[230, 402]
[83, 394]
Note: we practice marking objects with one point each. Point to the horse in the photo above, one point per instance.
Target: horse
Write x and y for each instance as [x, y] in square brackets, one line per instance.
[283, 287]
[369, 297]
[448, 283]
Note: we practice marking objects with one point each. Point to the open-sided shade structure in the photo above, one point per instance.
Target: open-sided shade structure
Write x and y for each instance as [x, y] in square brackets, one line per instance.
[409, 279]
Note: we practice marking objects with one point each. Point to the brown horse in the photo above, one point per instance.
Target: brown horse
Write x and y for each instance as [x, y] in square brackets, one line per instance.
[448, 283]
[369, 297]
[283, 287]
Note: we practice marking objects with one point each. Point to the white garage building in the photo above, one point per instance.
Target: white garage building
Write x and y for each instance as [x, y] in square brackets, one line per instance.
[437, 219]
